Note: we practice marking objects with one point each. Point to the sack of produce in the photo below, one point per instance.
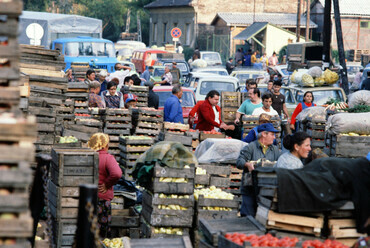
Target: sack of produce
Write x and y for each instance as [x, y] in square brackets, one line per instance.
[312, 111]
[330, 77]
[298, 75]
[307, 81]
[315, 72]
[319, 81]
[199, 63]
[349, 122]
[361, 97]
[292, 77]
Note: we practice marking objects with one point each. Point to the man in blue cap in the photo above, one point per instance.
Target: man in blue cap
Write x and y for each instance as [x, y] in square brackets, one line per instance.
[261, 148]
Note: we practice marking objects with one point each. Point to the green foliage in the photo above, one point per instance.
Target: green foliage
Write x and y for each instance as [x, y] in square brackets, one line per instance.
[335, 55]
[35, 5]
[282, 53]
[188, 53]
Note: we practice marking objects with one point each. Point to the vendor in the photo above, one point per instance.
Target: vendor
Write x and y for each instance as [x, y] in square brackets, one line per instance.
[261, 148]
[209, 114]
[307, 102]
[299, 146]
[130, 100]
[109, 174]
[252, 135]
[94, 99]
[111, 97]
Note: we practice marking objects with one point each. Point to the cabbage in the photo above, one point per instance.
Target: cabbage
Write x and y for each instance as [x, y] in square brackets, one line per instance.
[307, 81]
[315, 72]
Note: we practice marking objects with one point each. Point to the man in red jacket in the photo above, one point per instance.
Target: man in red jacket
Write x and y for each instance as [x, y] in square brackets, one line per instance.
[209, 113]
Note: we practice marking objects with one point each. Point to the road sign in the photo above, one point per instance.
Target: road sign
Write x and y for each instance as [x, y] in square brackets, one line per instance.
[176, 33]
[175, 39]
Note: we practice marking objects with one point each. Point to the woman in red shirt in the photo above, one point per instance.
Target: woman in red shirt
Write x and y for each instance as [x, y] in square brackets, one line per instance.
[109, 174]
[307, 102]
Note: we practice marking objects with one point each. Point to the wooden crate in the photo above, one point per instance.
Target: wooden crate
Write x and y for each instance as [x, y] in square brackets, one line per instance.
[180, 242]
[18, 227]
[228, 114]
[150, 125]
[16, 177]
[134, 148]
[349, 146]
[204, 136]
[165, 217]
[125, 131]
[150, 118]
[212, 228]
[72, 167]
[230, 99]
[128, 141]
[220, 182]
[149, 231]
[216, 169]
[64, 231]
[289, 222]
[215, 214]
[125, 218]
[343, 228]
[118, 112]
[168, 136]
[118, 202]
[63, 201]
[202, 179]
[9, 27]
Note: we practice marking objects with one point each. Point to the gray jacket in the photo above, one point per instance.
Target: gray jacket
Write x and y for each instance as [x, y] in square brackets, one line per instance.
[253, 152]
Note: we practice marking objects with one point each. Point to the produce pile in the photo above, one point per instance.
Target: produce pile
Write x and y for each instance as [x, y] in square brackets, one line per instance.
[359, 109]
[261, 241]
[327, 244]
[213, 193]
[68, 139]
[313, 77]
[334, 104]
[113, 243]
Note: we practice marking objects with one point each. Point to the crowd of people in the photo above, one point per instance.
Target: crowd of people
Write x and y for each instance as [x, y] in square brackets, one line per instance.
[251, 59]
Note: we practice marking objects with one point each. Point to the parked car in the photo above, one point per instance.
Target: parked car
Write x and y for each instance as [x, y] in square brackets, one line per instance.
[321, 94]
[125, 48]
[283, 71]
[208, 82]
[188, 99]
[352, 69]
[213, 70]
[212, 58]
[244, 74]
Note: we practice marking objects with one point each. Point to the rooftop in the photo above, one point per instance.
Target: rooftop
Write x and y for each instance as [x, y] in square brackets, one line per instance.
[168, 3]
[351, 7]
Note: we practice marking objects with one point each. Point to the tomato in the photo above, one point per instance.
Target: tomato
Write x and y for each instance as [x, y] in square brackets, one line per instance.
[228, 235]
[243, 237]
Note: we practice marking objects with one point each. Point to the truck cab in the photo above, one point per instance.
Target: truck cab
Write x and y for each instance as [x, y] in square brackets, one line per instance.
[99, 53]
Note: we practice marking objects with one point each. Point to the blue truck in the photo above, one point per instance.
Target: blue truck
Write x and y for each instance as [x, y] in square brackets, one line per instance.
[99, 53]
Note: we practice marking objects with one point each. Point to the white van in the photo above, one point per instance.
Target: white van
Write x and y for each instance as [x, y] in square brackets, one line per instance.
[212, 58]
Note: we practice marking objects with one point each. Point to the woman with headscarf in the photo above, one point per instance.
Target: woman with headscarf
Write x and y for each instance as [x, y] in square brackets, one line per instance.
[109, 174]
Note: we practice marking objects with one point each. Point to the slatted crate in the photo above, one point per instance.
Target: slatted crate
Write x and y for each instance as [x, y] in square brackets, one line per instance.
[230, 99]
[204, 136]
[343, 228]
[228, 114]
[180, 214]
[16, 225]
[63, 201]
[150, 231]
[118, 202]
[218, 174]
[64, 231]
[349, 146]
[64, 171]
[180, 242]
[14, 198]
[125, 218]
[142, 93]
[205, 209]
[9, 26]
[159, 185]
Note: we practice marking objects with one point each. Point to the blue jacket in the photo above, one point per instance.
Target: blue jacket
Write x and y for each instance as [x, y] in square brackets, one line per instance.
[173, 110]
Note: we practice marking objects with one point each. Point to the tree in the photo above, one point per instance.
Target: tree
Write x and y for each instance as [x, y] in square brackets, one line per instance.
[35, 5]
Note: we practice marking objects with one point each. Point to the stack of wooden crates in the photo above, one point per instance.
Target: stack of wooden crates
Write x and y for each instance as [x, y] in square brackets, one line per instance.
[17, 135]
[69, 168]
[168, 203]
[230, 103]
[148, 121]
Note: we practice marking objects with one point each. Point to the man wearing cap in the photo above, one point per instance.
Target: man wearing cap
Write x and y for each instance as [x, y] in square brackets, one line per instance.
[229, 66]
[130, 100]
[172, 106]
[261, 148]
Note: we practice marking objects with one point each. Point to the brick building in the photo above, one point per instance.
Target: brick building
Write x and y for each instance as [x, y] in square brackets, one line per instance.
[355, 21]
[194, 17]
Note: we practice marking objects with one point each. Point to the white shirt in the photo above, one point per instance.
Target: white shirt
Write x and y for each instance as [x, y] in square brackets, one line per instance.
[260, 110]
[120, 75]
[168, 78]
[217, 116]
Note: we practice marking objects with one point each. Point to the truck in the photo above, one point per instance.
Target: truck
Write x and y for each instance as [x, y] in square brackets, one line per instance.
[304, 55]
[98, 53]
[78, 38]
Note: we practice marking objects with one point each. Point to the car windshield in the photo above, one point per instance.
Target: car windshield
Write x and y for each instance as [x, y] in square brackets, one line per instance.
[187, 99]
[99, 49]
[207, 86]
[125, 52]
[211, 57]
[353, 69]
[289, 98]
[221, 72]
[158, 72]
[322, 96]
[183, 68]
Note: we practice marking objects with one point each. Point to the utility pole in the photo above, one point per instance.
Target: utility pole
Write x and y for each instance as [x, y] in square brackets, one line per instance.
[326, 34]
[128, 20]
[308, 20]
[139, 38]
[298, 32]
[342, 61]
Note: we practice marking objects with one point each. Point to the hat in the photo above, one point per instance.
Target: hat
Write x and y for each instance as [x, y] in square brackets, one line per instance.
[267, 127]
[103, 73]
[129, 97]
[98, 141]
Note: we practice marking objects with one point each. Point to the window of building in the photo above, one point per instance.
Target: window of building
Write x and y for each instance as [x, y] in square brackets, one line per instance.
[155, 27]
[164, 32]
[187, 34]
[365, 24]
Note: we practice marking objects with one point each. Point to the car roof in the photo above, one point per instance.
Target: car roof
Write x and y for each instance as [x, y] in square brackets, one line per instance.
[315, 88]
[151, 50]
[215, 77]
[169, 88]
[208, 52]
[248, 71]
[211, 68]
[82, 38]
